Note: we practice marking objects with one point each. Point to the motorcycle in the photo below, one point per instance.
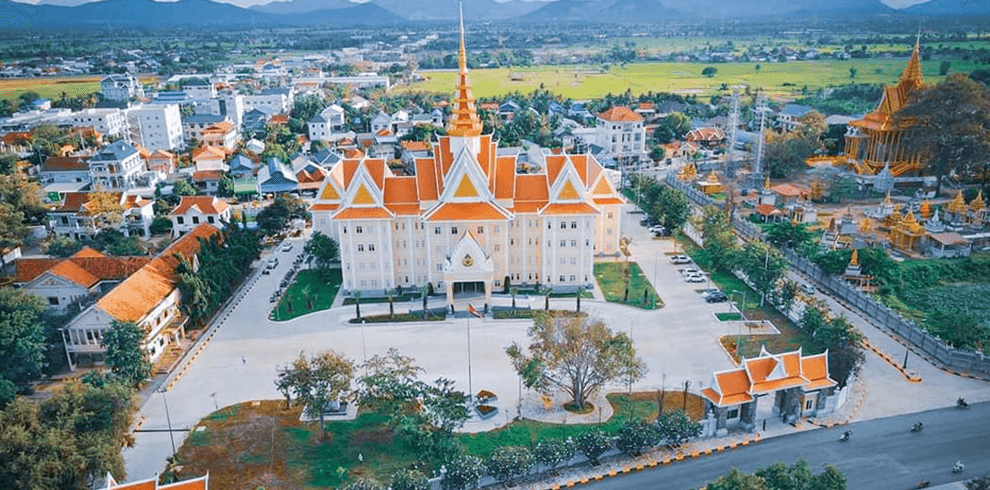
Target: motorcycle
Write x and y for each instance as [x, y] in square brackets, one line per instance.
[845, 436]
[924, 484]
[961, 403]
[917, 427]
[958, 467]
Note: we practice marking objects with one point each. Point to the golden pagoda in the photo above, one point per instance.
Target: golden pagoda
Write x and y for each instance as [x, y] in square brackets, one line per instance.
[977, 208]
[926, 209]
[894, 218]
[817, 190]
[957, 208]
[875, 141]
[688, 172]
[464, 121]
[854, 258]
[711, 184]
[865, 226]
[906, 234]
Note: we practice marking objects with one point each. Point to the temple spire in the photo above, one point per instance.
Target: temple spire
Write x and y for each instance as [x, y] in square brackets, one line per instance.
[912, 77]
[464, 120]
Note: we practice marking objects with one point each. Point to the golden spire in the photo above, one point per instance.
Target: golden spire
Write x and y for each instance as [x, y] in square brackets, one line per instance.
[464, 121]
[766, 183]
[865, 226]
[926, 209]
[912, 77]
[958, 204]
[977, 203]
[854, 260]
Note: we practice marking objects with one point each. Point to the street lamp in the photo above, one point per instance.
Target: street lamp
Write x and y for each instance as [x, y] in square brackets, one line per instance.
[168, 419]
[470, 387]
[742, 316]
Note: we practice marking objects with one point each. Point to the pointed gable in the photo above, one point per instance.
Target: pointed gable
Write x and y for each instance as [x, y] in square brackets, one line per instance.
[362, 196]
[465, 188]
[568, 192]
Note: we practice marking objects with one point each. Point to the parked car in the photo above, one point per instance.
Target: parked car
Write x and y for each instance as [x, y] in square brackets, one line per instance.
[717, 297]
[680, 259]
[287, 246]
[689, 271]
[708, 292]
[808, 288]
[695, 277]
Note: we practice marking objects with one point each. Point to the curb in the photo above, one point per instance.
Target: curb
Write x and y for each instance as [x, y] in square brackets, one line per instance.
[656, 463]
[890, 360]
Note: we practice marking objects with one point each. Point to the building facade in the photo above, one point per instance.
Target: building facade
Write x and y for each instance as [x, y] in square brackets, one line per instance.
[156, 127]
[109, 122]
[121, 86]
[117, 167]
[621, 131]
[466, 221]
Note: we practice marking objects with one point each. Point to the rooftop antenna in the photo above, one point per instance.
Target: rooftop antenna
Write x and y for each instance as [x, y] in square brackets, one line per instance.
[730, 162]
[756, 176]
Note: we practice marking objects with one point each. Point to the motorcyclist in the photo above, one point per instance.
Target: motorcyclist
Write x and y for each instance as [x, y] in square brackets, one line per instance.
[958, 467]
[917, 427]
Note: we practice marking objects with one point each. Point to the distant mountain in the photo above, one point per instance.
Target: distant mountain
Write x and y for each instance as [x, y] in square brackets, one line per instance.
[299, 6]
[590, 11]
[715, 9]
[163, 15]
[64, 3]
[474, 10]
[950, 7]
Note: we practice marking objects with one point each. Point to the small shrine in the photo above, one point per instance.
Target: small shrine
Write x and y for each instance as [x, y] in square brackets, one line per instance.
[767, 195]
[894, 218]
[925, 211]
[884, 181]
[883, 210]
[853, 269]
[956, 210]
[906, 234]
[854, 274]
[839, 233]
[934, 224]
[977, 210]
[688, 173]
[802, 212]
[817, 190]
[865, 227]
[711, 184]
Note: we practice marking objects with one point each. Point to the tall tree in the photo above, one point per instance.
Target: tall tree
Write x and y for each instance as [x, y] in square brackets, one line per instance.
[578, 355]
[125, 358]
[763, 265]
[720, 242]
[949, 124]
[22, 336]
[323, 249]
[317, 382]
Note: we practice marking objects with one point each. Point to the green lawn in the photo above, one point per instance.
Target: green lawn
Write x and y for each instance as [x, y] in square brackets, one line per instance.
[611, 279]
[728, 317]
[586, 82]
[308, 289]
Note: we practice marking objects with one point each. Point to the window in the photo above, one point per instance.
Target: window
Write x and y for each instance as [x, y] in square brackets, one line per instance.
[361, 248]
[180, 220]
[343, 229]
[436, 231]
[512, 241]
[439, 267]
[497, 229]
[210, 219]
[453, 230]
[53, 300]
[573, 278]
[481, 230]
[573, 262]
[563, 261]
[563, 243]
[497, 248]
[358, 229]
[371, 247]
[809, 404]
[563, 225]
[561, 278]
[65, 220]
[573, 243]
[734, 413]
[573, 225]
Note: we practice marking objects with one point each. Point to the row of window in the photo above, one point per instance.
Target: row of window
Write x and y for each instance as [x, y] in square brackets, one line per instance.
[195, 220]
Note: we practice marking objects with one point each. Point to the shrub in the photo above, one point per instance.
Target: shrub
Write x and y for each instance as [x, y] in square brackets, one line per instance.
[509, 462]
[463, 472]
[637, 435]
[593, 444]
[409, 480]
[676, 428]
[553, 452]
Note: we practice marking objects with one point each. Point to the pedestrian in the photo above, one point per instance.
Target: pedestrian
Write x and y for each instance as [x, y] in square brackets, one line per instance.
[243, 360]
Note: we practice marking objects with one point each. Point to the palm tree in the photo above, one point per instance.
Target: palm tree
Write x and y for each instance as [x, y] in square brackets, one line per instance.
[513, 291]
[391, 304]
[578, 296]
[422, 292]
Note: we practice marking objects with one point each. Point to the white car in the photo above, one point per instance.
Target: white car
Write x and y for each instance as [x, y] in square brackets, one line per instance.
[680, 259]
[287, 246]
[808, 288]
[690, 271]
[697, 277]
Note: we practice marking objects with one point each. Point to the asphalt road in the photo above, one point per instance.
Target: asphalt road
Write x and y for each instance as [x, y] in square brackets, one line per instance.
[882, 453]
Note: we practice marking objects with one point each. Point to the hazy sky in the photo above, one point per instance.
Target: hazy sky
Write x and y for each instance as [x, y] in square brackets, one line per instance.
[245, 3]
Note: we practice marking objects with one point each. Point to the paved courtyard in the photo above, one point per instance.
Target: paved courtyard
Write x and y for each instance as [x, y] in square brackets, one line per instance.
[678, 342]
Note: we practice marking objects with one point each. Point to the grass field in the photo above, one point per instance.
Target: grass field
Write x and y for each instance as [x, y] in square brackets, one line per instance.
[307, 287]
[52, 87]
[611, 280]
[263, 445]
[586, 82]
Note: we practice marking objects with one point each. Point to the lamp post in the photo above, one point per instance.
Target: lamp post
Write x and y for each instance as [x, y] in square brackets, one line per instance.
[742, 316]
[168, 419]
[470, 387]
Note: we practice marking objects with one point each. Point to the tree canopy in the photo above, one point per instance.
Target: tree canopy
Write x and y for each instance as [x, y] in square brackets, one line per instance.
[125, 358]
[317, 382]
[22, 336]
[578, 355]
[779, 476]
[323, 249]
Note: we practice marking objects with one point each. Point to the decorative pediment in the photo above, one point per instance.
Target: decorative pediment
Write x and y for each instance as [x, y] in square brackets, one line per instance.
[568, 186]
[467, 257]
[465, 181]
[362, 190]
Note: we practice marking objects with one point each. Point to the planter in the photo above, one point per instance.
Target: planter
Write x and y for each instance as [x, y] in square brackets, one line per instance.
[486, 411]
[485, 396]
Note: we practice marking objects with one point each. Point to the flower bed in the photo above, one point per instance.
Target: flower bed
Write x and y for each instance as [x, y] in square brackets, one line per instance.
[486, 411]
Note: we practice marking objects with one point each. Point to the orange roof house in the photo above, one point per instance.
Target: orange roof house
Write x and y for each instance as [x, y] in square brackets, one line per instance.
[767, 374]
[620, 114]
[64, 281]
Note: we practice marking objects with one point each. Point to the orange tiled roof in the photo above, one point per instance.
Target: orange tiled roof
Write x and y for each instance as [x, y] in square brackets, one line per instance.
[87, 251]
[68, 269]
[400, 190]
[280, 119]
[86, 267]
[363, 213]
[205, 204]
[767, 210]
[17, 137]
[324, 207]
[815, 370]
[26, 269]
[426, 179]
[158, 154]
[221, 127]
[65, 164]
[730, 388]
[209, 152]
[789, 190]
[505, 178]
[134, 298]
[204, 175]
[414, 146]
[461, 211]
[569, 208]
[620, 114]
[605, 201]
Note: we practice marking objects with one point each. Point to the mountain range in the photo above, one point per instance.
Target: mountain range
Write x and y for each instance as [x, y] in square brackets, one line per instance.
[151, 14]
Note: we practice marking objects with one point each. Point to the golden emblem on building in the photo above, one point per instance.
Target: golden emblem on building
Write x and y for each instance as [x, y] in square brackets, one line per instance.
[467, 261]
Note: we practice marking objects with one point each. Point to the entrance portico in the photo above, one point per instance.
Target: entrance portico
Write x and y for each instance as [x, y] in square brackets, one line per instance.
[465, 266]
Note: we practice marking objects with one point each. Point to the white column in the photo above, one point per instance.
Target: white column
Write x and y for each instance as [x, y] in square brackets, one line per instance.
[378, 250]
[525, 244]
[429, 254]
[350, 246]
[412, 246]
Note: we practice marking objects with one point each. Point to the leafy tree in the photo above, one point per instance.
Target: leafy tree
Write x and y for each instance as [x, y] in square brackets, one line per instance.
[160, 225]
[323, 249]
[593, 444]
[405, 479]
[23, 196]
[709, 71]
[22, 336]
[578, 355]
[275, 217]
[183, 188]
[226, 186]
[463, 472]
[720, 242]
[949, 123]
[676, 428]
[843, 341]
[8, 392]
[63, 246]
[125, 358]
[637, 435]
[113, 242]
[782, 477]
[737, 480]
[552, 452]
[943, 67]
[672, 208]
[362, 484]
[509, 462]
[672, 127]
[317, 382]
[788, 234]
[978, 483]
[830, 479]
[105, 208]
[13, 231]
[763, 265]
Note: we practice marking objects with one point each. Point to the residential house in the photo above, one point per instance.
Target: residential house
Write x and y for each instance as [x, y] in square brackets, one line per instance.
[80, 217]
[162, 162]
[61, 174]
[193, 126]
[308, 174]
[199, 89]
[327, 157]
[275, 178]
[622, 132]
[413, 150]
[507, 110]
[648, 110]
[149, 298]
[110, 122]
[193, 211]
[87, 274]
[789, 117]
[121, 87]
[255, 120]
[207, 181]
[381, 122]
[437, 117]
[210, 158]
[270, 100]
[709, 137]
[220, 135]
[118, 167]
[241, 166]
[255, 146]
[156, 127]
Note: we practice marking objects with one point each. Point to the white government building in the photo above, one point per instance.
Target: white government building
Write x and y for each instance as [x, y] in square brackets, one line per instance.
[467, 221]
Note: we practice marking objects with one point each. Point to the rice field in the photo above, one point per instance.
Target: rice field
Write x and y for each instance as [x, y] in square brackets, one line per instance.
[587, 82]
[49, 87]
